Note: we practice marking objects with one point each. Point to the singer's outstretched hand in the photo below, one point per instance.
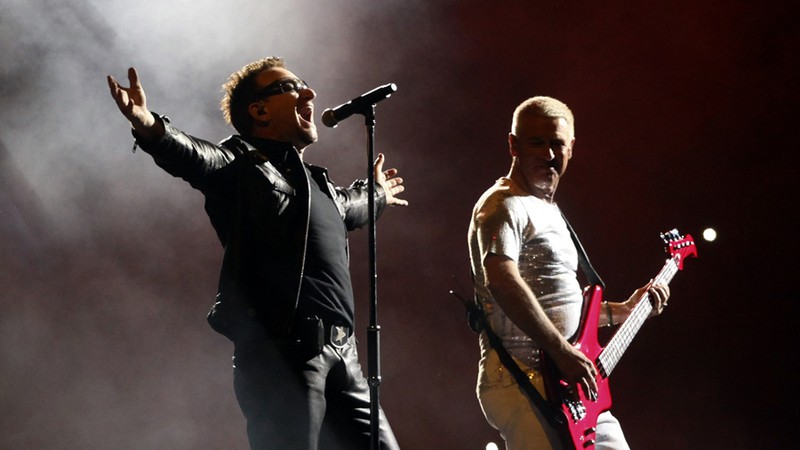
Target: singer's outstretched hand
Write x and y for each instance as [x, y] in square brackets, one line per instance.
[392, 184]
[132, 103]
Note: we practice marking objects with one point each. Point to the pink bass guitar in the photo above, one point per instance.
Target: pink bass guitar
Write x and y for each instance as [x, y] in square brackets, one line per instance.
[580, 413]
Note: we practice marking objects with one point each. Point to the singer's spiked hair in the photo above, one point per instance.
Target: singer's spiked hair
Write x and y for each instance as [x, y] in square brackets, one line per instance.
[241, 90]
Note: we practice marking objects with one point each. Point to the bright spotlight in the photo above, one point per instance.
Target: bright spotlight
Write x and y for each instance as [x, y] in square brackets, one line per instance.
[709, 234]
[491, 446]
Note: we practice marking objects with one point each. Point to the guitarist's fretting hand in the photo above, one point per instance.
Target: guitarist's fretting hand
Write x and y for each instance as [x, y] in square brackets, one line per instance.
[658, 296]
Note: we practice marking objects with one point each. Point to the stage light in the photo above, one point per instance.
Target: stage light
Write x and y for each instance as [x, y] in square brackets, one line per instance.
[491, 446]
[709, 234]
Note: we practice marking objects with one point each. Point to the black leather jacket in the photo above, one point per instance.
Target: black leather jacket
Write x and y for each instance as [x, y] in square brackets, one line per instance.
[261, 219]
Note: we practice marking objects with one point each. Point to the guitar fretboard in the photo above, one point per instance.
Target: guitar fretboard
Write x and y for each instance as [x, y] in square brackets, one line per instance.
[612, 353]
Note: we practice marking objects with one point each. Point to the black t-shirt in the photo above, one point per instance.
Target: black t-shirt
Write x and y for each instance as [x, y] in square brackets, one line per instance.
[326, 290]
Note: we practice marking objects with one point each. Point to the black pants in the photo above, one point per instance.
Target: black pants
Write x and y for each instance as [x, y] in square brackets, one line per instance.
[296, 402]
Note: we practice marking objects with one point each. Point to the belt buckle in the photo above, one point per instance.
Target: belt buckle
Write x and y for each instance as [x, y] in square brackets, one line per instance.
[339, 335]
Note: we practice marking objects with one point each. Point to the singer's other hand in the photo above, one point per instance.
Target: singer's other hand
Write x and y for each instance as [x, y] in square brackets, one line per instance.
[392, 184]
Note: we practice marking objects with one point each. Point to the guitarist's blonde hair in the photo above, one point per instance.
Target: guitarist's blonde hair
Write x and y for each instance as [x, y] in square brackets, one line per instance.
[544, 106]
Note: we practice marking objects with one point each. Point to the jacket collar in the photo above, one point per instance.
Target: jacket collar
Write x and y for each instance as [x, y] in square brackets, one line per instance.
[277, 152]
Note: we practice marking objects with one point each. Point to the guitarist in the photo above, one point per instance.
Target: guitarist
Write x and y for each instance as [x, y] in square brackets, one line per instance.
[525, 265]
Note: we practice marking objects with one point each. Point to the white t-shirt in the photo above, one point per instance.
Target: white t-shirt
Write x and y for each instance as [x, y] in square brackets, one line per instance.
[532, 232]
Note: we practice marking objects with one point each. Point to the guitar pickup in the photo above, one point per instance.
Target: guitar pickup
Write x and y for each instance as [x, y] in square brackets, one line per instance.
[570, 399]
[576, 409]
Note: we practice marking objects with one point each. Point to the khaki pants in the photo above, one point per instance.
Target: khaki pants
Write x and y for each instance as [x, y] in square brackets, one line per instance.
[508, 409]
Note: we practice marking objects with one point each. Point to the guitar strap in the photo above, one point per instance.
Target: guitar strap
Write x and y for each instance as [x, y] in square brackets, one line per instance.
[550, 413]
[583, 259]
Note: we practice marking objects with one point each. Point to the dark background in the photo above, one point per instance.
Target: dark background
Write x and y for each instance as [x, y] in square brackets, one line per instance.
[685, 117]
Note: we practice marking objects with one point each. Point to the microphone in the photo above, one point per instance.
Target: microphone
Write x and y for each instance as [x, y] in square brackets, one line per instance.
[332, 116]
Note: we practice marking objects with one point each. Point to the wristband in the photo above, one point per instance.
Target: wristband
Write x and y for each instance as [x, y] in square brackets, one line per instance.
[610, 316]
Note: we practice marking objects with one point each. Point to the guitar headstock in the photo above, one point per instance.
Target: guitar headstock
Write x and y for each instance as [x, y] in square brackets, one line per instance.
[679, 247]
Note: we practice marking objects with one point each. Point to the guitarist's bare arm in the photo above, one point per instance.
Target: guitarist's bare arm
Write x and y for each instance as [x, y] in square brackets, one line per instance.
[614, 313]
[521, 306]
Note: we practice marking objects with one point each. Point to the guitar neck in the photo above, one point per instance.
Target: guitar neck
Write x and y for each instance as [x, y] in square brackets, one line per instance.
[612, 353]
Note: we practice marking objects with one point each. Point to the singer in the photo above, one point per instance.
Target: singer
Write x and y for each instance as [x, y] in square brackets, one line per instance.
[285, 298]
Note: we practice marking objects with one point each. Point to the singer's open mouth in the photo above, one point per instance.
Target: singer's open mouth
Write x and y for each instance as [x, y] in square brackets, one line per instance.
[306, 112]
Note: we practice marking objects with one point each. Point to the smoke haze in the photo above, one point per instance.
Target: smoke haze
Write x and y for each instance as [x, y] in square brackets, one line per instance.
[685, 117]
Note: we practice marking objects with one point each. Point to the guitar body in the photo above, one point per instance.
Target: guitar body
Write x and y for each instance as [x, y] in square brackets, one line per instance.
[579, 412]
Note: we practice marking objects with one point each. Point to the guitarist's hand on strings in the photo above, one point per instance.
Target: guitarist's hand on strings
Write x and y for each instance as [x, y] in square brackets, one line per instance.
[658, 294]
[577, 369]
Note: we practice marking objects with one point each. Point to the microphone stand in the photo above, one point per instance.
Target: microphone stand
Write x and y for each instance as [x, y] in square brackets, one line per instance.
[374, 330]
[365, 105]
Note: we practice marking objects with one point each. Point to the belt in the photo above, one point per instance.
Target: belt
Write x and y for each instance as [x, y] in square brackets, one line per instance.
[314, 332]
